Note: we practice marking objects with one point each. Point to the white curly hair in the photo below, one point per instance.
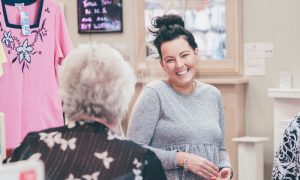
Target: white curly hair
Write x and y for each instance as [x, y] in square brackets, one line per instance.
[95, 80]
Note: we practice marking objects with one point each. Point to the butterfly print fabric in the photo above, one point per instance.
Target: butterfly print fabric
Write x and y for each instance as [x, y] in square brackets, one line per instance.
[85, 150]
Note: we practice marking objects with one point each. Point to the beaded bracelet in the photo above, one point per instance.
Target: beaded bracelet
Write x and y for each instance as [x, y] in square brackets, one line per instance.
[185, 168]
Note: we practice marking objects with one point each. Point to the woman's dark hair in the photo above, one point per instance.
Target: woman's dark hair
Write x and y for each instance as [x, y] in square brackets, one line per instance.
[170, 27]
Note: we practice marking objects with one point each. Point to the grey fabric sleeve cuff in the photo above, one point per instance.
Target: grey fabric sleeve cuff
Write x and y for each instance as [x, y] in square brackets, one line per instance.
[224, 163]
[224, 159]
[170, 161]
[167, 158]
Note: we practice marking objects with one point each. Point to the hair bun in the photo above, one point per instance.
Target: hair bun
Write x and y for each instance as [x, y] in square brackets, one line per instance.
[167, 21]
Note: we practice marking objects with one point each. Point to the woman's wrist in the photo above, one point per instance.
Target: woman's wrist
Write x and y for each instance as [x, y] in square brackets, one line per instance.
[180, 158]
[185, 163]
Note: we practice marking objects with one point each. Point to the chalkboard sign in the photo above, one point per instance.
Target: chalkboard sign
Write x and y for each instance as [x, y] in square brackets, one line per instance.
[99, 16]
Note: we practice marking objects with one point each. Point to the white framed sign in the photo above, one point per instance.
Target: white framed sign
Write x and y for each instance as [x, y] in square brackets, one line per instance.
[23, 170]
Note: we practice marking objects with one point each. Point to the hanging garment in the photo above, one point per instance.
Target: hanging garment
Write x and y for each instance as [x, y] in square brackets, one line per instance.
[1, 69]
[29, 87]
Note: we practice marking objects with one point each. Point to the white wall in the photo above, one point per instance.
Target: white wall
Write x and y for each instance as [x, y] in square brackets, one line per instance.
[124, 41]
[278, 22]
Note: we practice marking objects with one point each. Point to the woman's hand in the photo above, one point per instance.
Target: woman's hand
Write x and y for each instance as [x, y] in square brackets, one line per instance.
[199, 165]
[224, 174]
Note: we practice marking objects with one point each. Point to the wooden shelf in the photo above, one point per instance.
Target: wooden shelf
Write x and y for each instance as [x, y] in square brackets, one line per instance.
[284, 93]
[248, 139]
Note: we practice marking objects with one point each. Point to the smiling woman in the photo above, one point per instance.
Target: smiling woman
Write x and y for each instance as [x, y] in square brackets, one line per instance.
[179, 62]
[181, 119]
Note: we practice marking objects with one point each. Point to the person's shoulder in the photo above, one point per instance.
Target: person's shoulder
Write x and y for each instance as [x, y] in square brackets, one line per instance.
[48, 130]
[156, 84]
[207, 87]
[295, 123]
[297, 118]
[156, 87]
[53, 129]
[34, 135]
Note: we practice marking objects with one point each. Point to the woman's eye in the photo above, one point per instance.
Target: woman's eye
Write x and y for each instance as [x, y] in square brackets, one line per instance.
[169, 60]
[185, 55]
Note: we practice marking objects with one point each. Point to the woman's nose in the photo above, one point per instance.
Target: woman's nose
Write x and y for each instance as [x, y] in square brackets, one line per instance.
[179, 63]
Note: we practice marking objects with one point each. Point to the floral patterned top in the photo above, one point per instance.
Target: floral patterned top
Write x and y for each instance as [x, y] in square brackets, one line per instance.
[29, 85]
[88, 150]
[287, 158]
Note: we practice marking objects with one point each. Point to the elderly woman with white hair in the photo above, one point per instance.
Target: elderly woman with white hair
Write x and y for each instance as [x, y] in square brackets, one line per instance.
[97, 86]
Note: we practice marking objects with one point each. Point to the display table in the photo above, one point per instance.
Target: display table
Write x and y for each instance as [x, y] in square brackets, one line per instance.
[250, 157]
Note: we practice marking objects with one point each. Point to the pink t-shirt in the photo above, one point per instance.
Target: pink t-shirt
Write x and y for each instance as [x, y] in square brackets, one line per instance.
[29, 88]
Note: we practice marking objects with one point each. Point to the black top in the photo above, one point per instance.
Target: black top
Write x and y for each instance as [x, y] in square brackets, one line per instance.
[89, 150]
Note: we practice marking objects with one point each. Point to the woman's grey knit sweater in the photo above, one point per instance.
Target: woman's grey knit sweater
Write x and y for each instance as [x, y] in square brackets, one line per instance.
[169, 121]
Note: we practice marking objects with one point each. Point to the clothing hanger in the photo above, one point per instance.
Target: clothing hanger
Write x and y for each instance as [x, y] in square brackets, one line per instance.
[13, 2]
[26, 3]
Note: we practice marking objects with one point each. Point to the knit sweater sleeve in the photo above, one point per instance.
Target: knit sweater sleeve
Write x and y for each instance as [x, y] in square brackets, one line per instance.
[224, 157]
[142, 124]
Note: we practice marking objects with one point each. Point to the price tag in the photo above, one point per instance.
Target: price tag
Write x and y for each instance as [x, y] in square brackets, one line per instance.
[19, 6]
[25, 23]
